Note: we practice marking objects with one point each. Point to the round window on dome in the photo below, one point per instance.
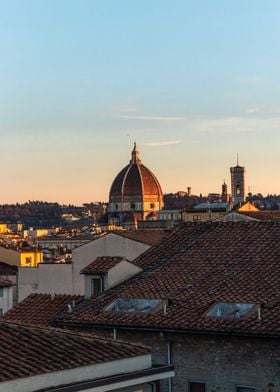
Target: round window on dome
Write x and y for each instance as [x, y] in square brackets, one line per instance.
[132, 206]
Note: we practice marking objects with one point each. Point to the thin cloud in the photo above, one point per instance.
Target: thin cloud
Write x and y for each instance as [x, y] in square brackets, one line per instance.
[163, 143]
[253, 110]
[253, 79]
[152, 118]
[235, 124]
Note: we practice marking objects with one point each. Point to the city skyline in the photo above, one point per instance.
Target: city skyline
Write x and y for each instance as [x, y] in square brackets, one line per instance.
[191, 85]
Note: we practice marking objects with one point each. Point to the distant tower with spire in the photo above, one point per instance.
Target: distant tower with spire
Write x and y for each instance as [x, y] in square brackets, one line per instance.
[238, 183]
[225, 195]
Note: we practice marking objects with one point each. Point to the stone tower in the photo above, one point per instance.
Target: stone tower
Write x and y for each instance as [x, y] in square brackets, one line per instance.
[238, 183]
[224, 195]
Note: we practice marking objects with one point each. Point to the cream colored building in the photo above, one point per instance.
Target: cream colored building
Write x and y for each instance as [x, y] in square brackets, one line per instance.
[205, 212]
[67, 278]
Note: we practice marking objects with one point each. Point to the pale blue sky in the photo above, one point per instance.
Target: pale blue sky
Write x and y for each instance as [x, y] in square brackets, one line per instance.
[193, 82]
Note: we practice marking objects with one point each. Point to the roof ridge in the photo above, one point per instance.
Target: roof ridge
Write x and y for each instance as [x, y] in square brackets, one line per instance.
[71, 332]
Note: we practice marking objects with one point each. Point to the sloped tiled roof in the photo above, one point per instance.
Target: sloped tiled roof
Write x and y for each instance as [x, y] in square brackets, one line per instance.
[7, 269]
[198, 265]
[40, 309]
[101, 264]
[5, 283]
[262, 215]
[29, 351]
[148, 236]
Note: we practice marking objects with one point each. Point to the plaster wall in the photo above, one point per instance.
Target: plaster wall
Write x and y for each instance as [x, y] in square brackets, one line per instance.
[27, 282]
[13, 279]
[45, 279]
[108, 245]
[121, 272]
[55, 278]
[6, 301]
[9, 256]
[66, 278]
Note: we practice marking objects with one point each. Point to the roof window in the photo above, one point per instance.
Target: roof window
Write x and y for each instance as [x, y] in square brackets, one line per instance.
[135, 305]
[231, 310]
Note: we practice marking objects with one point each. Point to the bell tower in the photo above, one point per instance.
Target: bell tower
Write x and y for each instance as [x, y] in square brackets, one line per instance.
[238, 183]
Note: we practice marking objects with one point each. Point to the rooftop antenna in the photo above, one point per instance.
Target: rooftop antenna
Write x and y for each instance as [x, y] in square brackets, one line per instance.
[237, 160]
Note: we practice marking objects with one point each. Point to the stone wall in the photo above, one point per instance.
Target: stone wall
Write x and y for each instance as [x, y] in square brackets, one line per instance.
[222, 363]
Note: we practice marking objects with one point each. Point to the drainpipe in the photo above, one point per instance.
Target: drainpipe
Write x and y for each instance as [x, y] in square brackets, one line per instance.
[114, 334]
[169, 362]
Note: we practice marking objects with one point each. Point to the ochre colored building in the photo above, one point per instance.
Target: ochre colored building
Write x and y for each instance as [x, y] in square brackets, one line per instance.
[22, 257]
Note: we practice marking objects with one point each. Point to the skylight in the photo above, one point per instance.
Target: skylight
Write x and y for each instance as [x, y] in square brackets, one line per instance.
[135, 305]
[230, 310]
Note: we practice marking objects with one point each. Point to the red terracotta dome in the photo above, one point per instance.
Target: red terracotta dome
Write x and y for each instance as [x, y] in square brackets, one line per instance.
[135, 180]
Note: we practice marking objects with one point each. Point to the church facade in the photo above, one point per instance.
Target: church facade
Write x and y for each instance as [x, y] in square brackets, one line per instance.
[135, 193]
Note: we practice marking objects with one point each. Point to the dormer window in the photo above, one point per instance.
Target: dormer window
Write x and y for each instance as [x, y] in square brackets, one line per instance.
[97, 285]
[136, 305]
[232, 310]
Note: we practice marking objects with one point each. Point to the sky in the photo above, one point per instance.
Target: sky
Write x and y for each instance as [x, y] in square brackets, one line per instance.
[192, 82]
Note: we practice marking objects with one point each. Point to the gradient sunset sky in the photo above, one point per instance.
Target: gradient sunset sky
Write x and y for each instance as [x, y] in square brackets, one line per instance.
[193, 82]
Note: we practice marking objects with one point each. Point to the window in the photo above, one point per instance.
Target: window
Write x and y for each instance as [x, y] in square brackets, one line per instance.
[135, 305]
[245, 389]
[96, 286]
[132, 206]
[152, 205]
[1, 292]
[196, 387]
[197, 217]
[28, 260]
[231, 310]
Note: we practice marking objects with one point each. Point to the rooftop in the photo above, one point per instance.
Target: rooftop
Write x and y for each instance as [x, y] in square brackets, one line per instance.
[40, 309]
[211, 206]
[5, 283]
[197, 266]
[102, 264]
[262, 215]
[148, 236]
[29, 351]
[7, 269]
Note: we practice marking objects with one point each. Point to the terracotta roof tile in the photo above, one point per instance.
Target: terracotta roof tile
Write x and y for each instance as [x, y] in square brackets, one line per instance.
[7, 269]
[40, 309]
[198, 265]
[5, 283]
[148, 236]
[102, 264]
[29, 351]
[262, 215]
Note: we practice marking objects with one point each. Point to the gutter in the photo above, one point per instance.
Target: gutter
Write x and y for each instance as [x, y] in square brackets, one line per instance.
[155, 373]
[167, 330]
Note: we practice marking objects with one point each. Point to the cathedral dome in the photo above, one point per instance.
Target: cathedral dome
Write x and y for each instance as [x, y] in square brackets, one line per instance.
[135, 189]
[135, 180]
